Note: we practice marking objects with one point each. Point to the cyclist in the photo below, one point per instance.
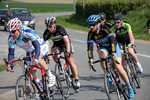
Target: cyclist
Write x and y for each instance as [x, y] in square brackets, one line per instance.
[31, 42]
[148, 27]
[123, 33]
[104, 21]
[61, 40]
[101, 34]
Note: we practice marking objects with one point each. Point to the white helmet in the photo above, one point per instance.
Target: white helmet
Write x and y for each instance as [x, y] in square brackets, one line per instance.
[14, 24]
[50, 20]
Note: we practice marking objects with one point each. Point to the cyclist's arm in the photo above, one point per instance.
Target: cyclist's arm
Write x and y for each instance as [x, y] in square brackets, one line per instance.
[131, 37]
[36, 45]
[130, 33]
[113, 42]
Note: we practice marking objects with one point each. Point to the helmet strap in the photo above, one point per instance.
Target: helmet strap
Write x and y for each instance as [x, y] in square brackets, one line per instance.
[98, 27]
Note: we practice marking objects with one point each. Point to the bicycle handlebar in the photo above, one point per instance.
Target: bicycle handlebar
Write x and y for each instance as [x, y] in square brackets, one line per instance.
[103, 59]
[8, 62]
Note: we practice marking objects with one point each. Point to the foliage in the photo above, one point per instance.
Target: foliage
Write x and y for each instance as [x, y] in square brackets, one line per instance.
[109, 7]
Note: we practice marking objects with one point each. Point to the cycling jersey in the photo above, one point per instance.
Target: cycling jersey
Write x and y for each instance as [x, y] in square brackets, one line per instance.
[25, 41]
[148, 24]
[105, 39]
[122, 33]
[57, 38]
[107, 23]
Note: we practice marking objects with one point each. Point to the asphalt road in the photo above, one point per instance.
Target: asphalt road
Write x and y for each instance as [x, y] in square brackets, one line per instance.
[92, 87]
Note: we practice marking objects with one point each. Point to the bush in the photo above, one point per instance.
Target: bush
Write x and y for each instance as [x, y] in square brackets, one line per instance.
[109, 7]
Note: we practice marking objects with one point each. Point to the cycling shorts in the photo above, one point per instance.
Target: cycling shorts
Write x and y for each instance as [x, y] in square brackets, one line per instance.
[62, 48]
[118, 51]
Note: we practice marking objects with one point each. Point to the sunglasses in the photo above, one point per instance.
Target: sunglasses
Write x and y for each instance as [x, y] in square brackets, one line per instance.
[13, 31]
[92, 24]
[117, 22]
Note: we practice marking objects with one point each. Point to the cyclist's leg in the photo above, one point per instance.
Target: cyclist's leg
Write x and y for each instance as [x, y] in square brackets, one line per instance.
[135, 58]
[31, 69]
[123, 73]
[42, 63]
[102, 54]
[73, 66]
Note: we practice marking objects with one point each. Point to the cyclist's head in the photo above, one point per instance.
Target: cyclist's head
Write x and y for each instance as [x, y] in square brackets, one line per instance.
[94, 22]
[118, 16]
[14, 24]
[50, 21]
[94, 19]
[103, 16]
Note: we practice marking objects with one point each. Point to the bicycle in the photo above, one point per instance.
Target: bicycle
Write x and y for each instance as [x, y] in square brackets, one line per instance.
[131, 69]
[116, 89]
[27, 88]
[62, 69]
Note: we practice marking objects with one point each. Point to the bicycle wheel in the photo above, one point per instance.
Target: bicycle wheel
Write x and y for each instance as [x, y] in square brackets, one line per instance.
[25, 89]
[56, 91]
[111, 91]
[130, 73]
[136, 75]
[64, 79]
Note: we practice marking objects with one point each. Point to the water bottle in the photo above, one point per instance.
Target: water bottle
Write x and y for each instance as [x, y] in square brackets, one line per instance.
[38, 81]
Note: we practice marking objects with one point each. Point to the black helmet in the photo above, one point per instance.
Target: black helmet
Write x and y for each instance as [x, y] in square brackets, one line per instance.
[103, 16]
[50, 20]
[118, 16]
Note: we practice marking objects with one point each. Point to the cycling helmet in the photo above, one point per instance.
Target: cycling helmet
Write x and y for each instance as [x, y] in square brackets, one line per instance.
[118, 16]
[103, 16]
[94, 19]
[50, 20]
[14, 24]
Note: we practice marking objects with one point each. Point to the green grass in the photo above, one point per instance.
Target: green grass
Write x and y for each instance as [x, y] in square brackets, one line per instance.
[40, 8]
[137, 18]
[2, 67]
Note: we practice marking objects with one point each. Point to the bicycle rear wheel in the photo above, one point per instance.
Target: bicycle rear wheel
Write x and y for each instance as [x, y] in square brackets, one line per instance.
[25, 89]
[56, 91]
[111, 91]
[136, 76]
[64, 79]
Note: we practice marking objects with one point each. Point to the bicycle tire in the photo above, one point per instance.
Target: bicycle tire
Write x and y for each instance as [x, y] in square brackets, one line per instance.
[64, 80]
[111, 91]
[130, 74]
[136, 75]
[25, 90]
[56, 91]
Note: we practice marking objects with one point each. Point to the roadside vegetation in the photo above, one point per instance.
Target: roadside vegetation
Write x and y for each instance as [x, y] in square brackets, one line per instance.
[39, 8]
[137, 18]
[2, 67]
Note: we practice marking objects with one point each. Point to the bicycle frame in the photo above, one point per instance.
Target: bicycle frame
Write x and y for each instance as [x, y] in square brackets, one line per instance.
[110, 69]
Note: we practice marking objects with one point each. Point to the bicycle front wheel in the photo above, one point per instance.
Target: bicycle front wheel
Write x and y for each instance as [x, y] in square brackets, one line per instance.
[25, 89]
[62, 74]
[56, 91]
[111, 87]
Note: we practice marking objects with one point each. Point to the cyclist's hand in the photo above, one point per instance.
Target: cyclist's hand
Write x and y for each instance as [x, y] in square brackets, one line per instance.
[8, 68]
[90, 62]
[67, 55]
[115, 55]
[47, 59]
[133, 46]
